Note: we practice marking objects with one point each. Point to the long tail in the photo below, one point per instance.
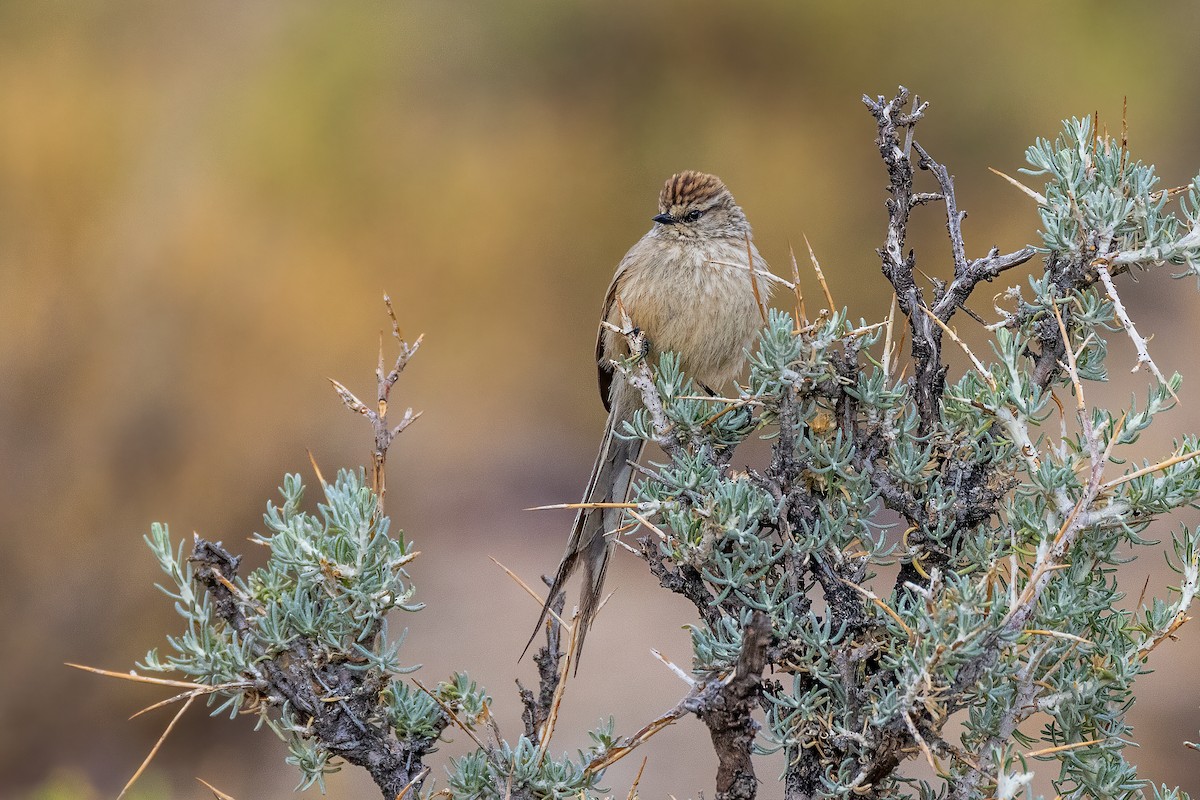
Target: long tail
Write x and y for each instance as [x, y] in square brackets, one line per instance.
[609, 483]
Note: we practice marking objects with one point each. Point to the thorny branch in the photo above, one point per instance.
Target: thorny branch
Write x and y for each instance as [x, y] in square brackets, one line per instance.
[1051, 556]
[1138, 341]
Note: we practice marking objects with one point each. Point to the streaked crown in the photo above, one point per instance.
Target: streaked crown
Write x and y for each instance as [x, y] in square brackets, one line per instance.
[689, 189]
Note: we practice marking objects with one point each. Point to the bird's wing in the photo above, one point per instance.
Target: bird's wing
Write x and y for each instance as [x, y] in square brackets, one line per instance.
[604, 370]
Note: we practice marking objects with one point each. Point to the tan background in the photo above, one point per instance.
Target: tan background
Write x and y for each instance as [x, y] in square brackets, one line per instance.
[201, 204]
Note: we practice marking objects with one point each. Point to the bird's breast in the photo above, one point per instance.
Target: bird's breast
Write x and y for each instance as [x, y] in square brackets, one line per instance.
[694, 299]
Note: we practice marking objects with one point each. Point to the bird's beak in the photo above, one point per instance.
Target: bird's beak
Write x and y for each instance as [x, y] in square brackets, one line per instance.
[665, 219]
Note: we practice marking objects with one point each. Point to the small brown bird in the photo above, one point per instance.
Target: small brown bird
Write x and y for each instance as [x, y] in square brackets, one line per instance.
[686, 286]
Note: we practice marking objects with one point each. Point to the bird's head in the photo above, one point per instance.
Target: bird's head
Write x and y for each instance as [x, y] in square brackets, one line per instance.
[694, 205]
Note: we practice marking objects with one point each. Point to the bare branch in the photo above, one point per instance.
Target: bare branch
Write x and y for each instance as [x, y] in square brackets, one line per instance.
[728, 713]
[639, 377]
[898, 266]
[385, 432]
[1138, 341]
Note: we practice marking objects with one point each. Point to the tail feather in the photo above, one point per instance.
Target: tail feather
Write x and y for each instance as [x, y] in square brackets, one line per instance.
[609, 482]
[595, 567]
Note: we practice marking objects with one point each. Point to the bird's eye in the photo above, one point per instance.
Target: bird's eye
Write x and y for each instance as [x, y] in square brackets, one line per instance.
[693, 215]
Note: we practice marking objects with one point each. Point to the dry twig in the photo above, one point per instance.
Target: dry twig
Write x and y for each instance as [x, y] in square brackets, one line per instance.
[385, 432]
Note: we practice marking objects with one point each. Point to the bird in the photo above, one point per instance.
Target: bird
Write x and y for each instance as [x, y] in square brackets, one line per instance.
[687, 286]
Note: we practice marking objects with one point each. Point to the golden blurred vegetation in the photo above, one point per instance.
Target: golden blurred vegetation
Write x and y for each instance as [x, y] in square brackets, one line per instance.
[202, 203]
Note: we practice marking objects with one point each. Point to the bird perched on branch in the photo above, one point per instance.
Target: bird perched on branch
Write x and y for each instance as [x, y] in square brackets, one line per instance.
[687, 286]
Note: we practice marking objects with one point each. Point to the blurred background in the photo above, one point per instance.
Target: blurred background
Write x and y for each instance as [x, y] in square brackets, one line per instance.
[201, 205]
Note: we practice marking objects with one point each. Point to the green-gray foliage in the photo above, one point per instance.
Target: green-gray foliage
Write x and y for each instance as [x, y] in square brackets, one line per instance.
[324, 596]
